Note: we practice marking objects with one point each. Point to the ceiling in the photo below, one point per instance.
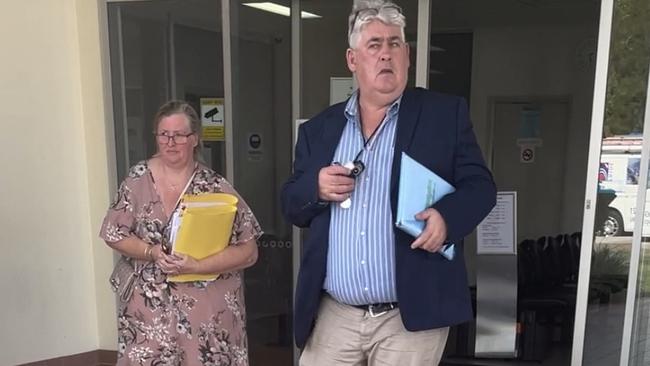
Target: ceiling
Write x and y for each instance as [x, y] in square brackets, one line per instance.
[446, 14]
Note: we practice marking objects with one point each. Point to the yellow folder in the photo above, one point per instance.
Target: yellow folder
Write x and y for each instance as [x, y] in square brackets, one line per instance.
[205, 228]
[209, 199]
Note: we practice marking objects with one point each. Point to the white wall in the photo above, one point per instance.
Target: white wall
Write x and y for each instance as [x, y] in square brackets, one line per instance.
[537, 61]
[54, 183]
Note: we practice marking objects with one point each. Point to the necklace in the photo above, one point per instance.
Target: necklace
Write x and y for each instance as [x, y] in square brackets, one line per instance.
[174, 186]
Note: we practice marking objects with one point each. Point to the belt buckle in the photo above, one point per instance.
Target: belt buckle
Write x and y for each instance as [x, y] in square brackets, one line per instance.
[372, 312]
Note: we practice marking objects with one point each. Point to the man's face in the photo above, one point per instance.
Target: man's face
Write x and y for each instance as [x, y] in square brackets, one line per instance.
[380, 61]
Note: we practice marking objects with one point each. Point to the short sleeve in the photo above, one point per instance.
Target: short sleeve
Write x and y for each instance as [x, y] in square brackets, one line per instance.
[245, 227]
[119, 221]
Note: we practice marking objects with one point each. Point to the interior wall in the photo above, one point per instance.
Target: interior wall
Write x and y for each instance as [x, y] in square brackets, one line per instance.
[53, 269]
[538, 61]
[319, 66]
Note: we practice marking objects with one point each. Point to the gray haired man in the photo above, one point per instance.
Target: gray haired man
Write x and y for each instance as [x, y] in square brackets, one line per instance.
[368, 293]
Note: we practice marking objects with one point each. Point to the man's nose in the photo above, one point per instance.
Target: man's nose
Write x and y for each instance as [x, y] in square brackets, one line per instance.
[385, 55]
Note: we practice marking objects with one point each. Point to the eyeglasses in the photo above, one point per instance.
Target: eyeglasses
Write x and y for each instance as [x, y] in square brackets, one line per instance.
[372, 11]
[178, 139]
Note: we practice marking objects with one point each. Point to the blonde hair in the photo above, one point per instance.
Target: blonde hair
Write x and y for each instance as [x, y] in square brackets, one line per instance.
[182, 107]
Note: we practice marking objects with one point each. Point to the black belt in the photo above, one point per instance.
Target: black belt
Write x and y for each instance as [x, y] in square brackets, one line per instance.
[378, 309]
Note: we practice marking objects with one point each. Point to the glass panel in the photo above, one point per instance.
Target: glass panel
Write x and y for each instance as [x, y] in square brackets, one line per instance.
[527, 69]
[638, 31]
[618, 184]
[156, 46]
[325, 75]
[261, 75]
[640, 345]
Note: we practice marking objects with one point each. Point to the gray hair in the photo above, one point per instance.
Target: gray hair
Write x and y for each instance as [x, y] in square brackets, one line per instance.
[366, 11]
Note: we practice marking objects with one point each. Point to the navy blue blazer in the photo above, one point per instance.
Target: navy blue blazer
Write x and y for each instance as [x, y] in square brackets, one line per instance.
[435, 130]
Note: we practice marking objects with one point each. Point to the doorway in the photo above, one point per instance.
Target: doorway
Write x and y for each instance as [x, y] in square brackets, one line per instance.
[183, 49]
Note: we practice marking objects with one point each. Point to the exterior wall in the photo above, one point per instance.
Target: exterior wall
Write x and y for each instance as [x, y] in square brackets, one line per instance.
[55, 298]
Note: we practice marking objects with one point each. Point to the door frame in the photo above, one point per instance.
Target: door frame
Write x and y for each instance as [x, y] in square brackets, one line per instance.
[630, 323]
[424, 24]
[591, 185]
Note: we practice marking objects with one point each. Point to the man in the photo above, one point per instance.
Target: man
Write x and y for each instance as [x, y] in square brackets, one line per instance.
[368, 293]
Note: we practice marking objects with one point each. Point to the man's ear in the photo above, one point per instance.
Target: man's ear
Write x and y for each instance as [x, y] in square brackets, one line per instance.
[408, 55]
[350, 57]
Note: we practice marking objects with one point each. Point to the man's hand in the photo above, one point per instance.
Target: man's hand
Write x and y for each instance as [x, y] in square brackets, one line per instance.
[435, 231]
[334, 183]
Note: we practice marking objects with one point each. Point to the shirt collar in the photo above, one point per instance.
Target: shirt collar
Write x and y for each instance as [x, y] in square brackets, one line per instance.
[352, 107]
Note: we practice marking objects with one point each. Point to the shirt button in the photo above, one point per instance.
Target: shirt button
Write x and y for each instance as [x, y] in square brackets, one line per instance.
[363, 233]
[367, 179]
[366, 289]
[363, 262]
[365, 205]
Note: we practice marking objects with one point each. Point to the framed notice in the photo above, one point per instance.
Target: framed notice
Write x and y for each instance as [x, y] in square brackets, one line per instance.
[497, 233]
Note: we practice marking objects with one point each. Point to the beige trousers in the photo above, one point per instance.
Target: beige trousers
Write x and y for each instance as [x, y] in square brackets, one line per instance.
[345, 335]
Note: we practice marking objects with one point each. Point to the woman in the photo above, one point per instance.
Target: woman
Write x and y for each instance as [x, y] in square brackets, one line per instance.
[167, 323]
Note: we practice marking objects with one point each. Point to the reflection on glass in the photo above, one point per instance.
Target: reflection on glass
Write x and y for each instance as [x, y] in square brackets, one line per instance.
[159, 51]
[640, 345]
[325, 76]
[261, 74]
[618, 185]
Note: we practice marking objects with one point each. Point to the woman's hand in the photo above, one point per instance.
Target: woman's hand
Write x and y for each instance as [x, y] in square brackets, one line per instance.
[168, 263]
[185, 264]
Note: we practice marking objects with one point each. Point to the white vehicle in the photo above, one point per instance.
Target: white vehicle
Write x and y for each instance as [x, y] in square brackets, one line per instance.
[620, 164]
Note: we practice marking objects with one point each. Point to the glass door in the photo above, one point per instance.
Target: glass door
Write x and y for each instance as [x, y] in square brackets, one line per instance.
[259, 66]
[230, 58]
[611, 325]
[162, 50]
[636, 330]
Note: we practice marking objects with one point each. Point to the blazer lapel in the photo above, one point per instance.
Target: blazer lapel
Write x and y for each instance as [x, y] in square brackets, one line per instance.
[409, 112]
[332, 131]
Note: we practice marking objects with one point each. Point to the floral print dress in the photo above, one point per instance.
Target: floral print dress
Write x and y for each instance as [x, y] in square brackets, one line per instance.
[167, 323]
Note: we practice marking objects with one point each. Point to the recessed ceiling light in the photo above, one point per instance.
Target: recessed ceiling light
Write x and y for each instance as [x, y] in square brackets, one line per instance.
[280, 9]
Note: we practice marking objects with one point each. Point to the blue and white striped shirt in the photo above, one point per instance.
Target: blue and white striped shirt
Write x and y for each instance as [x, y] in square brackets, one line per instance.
[361, 257]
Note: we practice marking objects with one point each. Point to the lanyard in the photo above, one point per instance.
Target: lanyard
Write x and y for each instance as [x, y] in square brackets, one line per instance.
[367, 142]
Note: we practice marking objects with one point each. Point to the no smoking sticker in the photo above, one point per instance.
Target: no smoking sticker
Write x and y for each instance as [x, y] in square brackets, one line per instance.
[527, 154]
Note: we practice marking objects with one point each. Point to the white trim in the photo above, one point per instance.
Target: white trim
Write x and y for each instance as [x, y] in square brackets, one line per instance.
[296, 85]
[629, 324]
[423, 44]
[595, 142]
[228, 89]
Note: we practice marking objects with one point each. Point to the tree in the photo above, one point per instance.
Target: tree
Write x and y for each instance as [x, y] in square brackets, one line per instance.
[628, 68]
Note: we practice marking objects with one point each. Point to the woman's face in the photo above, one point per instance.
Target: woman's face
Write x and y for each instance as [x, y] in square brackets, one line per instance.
[175, 139]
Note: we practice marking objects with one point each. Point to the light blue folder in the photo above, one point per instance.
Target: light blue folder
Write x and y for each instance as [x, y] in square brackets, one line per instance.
[419, 188]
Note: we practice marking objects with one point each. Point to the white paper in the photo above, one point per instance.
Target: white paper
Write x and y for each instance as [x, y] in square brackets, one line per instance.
[175, 225]
[497, 233]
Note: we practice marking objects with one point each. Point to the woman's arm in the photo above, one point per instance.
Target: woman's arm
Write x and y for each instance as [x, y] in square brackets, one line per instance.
[136, 248]
[133, 247]
[233, 258]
